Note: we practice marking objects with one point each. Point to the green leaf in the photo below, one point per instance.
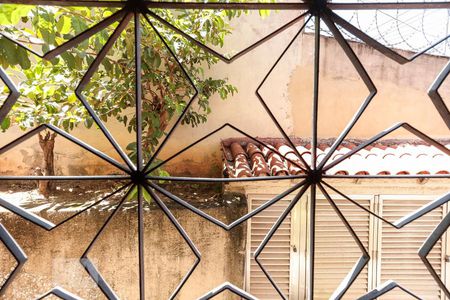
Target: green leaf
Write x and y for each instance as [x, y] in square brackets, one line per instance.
[78, 25]
[5, 124]
[72, 98]
[64, 25]
[9, 50]
[18, 12]
[23, 59]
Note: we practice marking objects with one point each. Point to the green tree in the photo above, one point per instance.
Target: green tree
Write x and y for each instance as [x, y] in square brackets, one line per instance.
[47, 87]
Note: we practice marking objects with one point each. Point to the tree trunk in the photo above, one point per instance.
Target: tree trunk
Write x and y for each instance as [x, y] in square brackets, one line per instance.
[47, 143]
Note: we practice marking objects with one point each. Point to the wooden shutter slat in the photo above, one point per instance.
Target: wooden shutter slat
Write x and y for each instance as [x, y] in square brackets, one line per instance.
[335, 250]
[399, 248]
[276, 255]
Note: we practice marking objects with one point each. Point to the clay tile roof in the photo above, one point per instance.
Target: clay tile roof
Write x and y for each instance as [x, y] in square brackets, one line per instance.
[244, 158]
[241, 167]
[277, 164]
[258, 161]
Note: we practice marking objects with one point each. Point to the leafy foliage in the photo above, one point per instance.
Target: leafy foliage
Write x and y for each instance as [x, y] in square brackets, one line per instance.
[48, 87]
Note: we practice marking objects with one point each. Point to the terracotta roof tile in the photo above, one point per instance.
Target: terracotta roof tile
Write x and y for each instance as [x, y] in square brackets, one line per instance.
[277, 164]
[258, 161]
[241, 166]
[246, 159]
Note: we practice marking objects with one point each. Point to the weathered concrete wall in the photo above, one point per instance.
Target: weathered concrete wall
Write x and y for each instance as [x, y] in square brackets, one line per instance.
[402, 91]
[53, 257]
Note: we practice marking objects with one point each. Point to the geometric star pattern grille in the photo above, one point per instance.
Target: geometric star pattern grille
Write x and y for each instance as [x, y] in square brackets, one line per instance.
[313, 179]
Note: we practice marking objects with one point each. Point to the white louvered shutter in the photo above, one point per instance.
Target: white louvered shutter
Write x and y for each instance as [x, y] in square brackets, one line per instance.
[399, 248]
[336, 252]
[276, 256]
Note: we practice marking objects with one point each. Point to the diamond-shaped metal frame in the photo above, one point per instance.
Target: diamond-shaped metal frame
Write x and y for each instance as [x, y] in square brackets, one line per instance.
[60, 293]
[15, 249]
[315, 173]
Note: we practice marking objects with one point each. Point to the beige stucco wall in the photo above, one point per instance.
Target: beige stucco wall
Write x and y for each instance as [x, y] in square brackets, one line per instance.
[53, 257]
[402, 91]
[402, 96]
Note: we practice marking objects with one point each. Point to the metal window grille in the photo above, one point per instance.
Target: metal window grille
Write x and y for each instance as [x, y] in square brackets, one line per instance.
[314, 178]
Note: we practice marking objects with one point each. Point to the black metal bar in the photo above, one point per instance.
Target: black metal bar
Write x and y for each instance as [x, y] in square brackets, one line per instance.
[315, 108]
[365, 78]
[347, 198]
[267, 204]
[169, 5]
[83, 3]
[60, 293]
[386, 288]
[138, 88]
[185, 236]
[158, 165]
[194, 96]
[240, 6]
[73, 41]
[418, 176]
[138, 111]
[266, 107]
[87, 177]
[98, 279]
[311, 241]
[189, 206]
[224, 180]
[93, 204]
[403, 221]
[389, 5]
[41, 222]
[87, 77]
[19, 255]
[14, 94]
[362, 261]
[377, 45]
[67, 136]
[227, 287]
[89, 267]
[141, 232]
[273, 149]
[270, 234]
[382, 134]
[436, 97]
[21, 45]
[85, 34]
[268, 37]
[428, 245]
[426, 138]
[214, 132]
[22, 138]
[229, 5]
[31, 217]
[85, 146]
[210, 50]
[422, 211]
[215, 221]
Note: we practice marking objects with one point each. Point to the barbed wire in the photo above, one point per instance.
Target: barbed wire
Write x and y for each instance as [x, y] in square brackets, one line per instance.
[410, 30]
